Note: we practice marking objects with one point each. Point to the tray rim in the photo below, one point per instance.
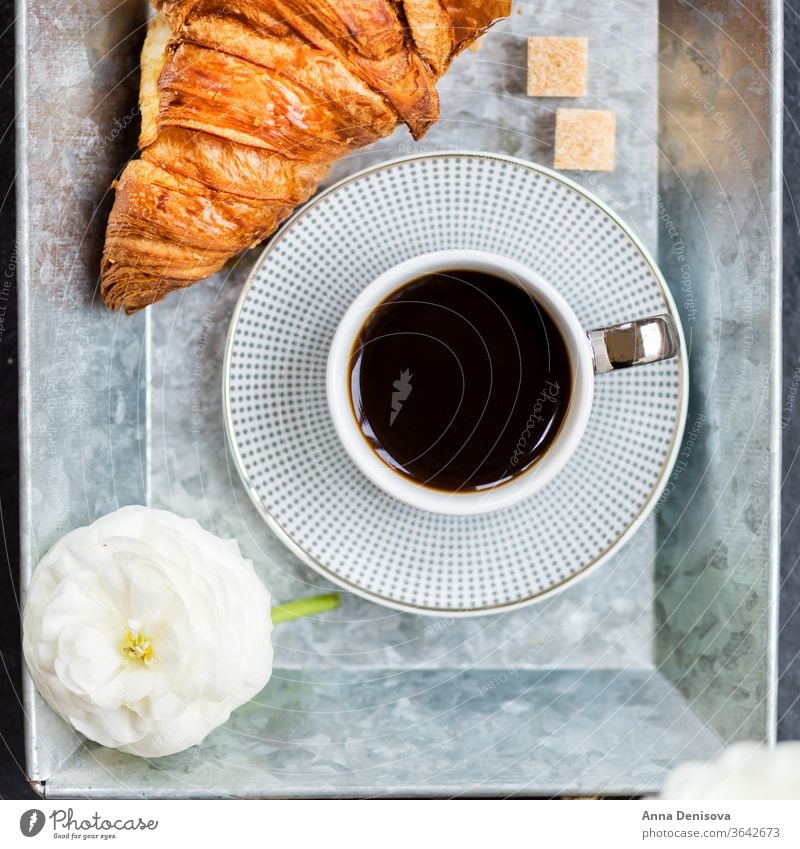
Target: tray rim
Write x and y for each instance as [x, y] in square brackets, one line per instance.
[606, 554]
[776, 366]
[24, 393]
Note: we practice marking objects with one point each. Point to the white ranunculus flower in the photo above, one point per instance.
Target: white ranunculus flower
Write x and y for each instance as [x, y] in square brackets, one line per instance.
[145, 631]
[742, 771]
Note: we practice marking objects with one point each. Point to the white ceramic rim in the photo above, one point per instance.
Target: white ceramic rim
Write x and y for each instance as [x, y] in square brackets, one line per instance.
[666, 469]
[405, 489]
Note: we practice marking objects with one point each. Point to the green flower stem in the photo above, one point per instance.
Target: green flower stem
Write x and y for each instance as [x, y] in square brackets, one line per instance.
[304, 607]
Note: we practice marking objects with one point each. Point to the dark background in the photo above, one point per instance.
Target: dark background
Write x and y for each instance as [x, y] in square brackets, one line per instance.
[12, 782]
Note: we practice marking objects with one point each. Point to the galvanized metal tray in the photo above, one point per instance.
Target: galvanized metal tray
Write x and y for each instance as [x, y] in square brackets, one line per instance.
[666, 653]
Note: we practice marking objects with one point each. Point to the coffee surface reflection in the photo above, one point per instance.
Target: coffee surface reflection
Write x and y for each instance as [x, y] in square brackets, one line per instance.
[460, 380]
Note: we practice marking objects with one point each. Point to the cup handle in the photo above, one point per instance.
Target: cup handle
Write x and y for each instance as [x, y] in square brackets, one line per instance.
[635, 343]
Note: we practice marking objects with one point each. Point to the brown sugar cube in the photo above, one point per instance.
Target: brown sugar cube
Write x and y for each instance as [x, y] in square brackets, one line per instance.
[557, 67]
[585, 139]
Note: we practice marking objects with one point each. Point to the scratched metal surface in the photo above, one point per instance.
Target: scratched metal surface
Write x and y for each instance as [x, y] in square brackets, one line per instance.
[662, 655]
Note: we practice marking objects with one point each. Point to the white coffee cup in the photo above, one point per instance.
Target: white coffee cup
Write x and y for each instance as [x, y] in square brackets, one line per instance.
[590, 353]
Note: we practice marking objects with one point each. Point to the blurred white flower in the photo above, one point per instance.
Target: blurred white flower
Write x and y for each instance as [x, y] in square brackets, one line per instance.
[145, 631]
[742, 771]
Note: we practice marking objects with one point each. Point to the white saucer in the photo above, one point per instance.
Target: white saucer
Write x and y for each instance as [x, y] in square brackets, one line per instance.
[290, 457]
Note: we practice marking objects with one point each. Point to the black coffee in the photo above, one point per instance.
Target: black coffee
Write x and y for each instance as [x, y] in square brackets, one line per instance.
[460, 380]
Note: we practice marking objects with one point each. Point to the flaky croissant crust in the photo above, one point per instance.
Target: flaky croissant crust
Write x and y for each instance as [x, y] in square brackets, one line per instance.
[246, 103]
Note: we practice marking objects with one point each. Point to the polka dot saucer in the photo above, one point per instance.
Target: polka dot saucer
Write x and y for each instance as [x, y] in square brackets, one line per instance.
[291, 460]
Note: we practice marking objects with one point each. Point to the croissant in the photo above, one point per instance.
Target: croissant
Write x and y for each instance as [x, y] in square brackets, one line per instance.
[245, 104]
